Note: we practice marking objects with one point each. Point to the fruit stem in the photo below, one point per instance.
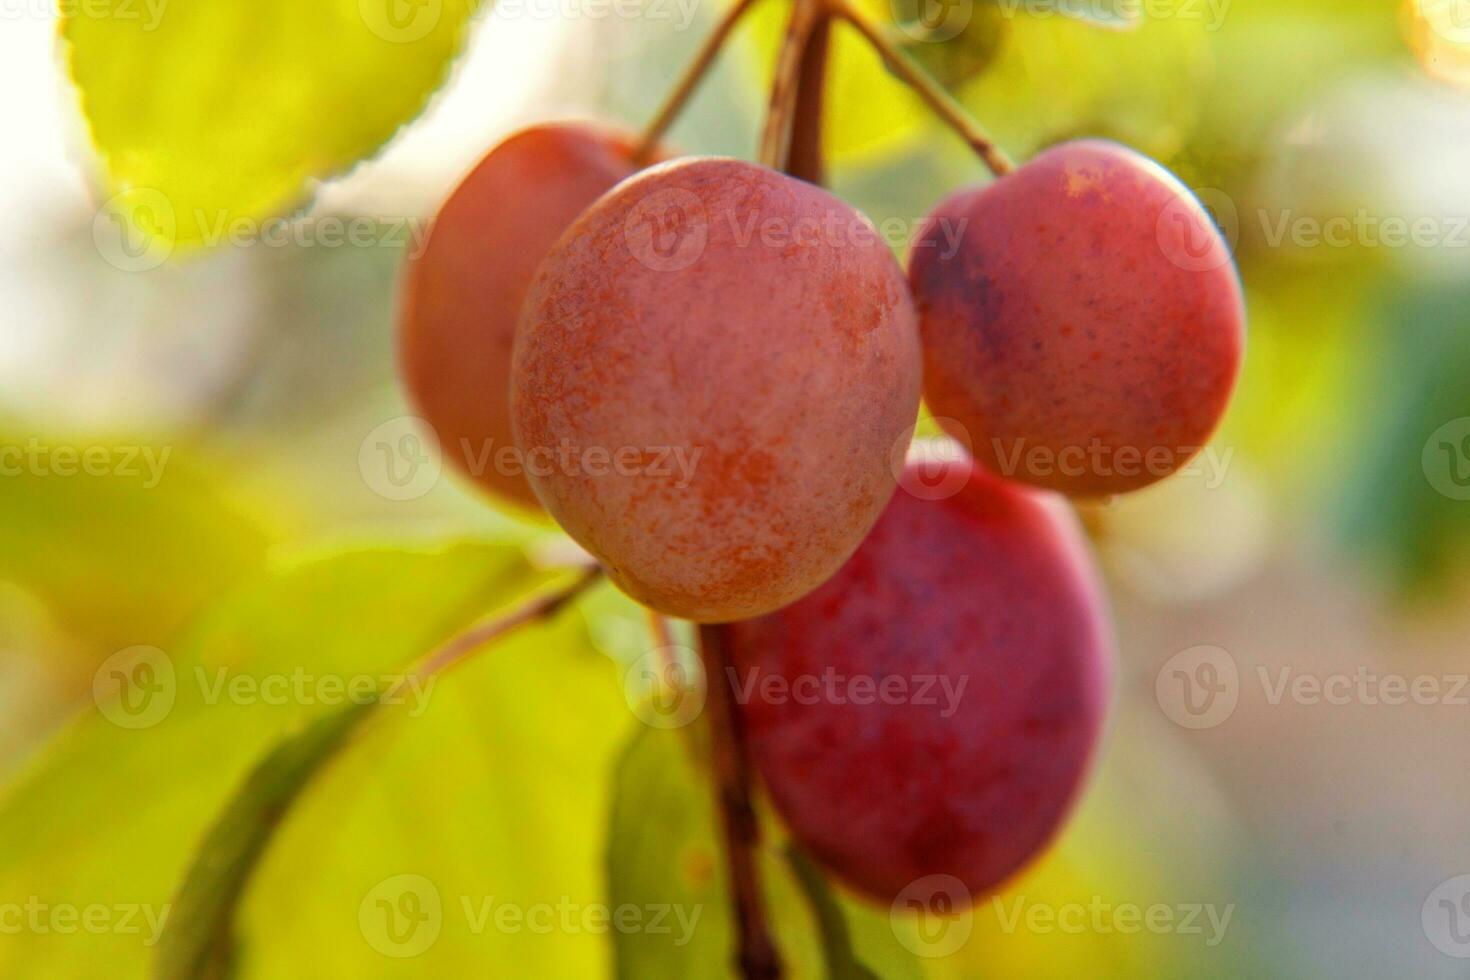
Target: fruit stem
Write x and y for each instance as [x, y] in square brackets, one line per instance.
[459, 647]
[776, 137]
[941, 102]
[805, 159]
[756, 951]
[689, 81]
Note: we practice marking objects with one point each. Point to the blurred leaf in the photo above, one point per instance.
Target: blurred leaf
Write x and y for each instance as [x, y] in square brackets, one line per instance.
[951, 52]
[1056, 78]
[489, 806]
[841, 961]
[208, 114]
[198, 939]
[664, 851]
[126, 552]
[1408, 504]
[111, 812]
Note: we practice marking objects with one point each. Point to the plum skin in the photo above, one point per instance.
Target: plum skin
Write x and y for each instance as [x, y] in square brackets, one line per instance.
[462, 295]
[1088, 331]
[993, 585]
[769, 338]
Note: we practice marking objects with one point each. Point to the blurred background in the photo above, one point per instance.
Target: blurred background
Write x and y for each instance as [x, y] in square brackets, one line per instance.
[190, 470]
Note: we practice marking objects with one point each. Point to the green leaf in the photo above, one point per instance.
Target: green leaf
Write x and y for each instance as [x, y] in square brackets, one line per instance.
[198, 938]
[842, 962]
[664, 852]
[113, 810]
[206, 114]
[125, 548]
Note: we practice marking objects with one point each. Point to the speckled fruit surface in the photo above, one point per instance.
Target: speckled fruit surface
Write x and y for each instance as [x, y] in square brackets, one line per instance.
[745, 344]
[1086, 333]
[462, 296]
[944, 693]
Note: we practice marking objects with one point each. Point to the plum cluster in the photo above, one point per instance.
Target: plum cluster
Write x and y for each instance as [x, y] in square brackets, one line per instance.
[1082, 335]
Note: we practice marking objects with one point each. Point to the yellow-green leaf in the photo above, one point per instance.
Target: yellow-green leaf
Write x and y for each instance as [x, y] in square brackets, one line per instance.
[214, 115]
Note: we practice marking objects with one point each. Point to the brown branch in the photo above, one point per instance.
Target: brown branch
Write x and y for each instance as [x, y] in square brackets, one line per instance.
[689, 81]
[542, 607]
[756, 952]
[805, 160]
[776, 136]
[941, 102]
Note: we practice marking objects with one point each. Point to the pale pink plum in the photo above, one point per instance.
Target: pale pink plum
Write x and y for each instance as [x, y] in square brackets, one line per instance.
[934, 708]
[716, 362]
[462, 296]
[1086, 333]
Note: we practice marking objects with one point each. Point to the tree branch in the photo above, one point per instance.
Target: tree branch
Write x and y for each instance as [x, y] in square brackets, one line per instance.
[756, 952]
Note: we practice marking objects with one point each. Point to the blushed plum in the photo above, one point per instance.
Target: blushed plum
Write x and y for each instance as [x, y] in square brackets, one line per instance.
[715, 363]
[1088, 329]
[462, 296]
[935, 707]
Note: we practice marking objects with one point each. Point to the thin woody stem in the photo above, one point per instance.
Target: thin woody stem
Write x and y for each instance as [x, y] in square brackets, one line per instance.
[457, 648]
[805, 158]
[756, 954]
[941, 102]
[689, 81]
[776, 137]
